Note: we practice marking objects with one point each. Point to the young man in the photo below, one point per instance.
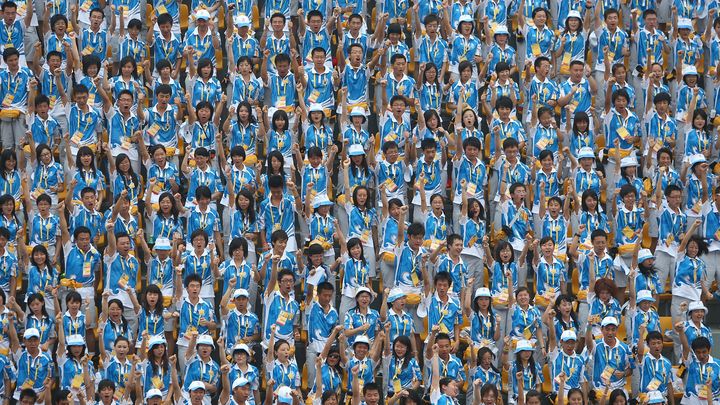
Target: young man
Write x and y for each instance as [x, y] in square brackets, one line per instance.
[121, 269]
[38, 364]
[277, 212]
[702, 367]
[655, 371]
[612, 359]
[411, 258]
[438, 354]
[315, 34]
[198, 38]
[576, 92]
[281, 309]
[515, 219]
[601, 260]
[613, 45]
[12, 34]
[318, 80]
[469, 167]
[14, 87]
[84, 121]
[197, 317]
[53, 83]
[94, 39]
[124, 125]
[440, 308]
[165, 41]
[322, 321]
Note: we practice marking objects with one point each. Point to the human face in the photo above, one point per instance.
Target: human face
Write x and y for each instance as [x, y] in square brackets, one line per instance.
[415, 241]
[9, 15]
[277, 24]
[523, 298]
[286, 284]
[32, 343]
[489, 398]
[8, 207]
[444, 347]
[318, 58]
[362, 194]
[519, 193]
[115, 311]
[197, 396]
[568, 346]
[442, 287]
[392, 155]
[124, 165]
[127, 69]
[612, 20]
[363, 300]
[204, 114]
[576, 71]
[609, 332]
[456, 247]
[372, 397]
[575, 398]
[651, 21]
[152, 298]
[400, 349]
[96, 19]
[544, 67]
[165, 28]
[674, 199]
[194, 288]
[158, 351]
[468, 118]
[547, 120]
[582, 126]
[398, 107]
[198, 242]
[325, 297]
[122, 348]
[83, 241]
[692, 249]
[702, 355]
[76, 351]
[699, 122]
[629, 200]
[204, 350]
[36, 307]
[125, 102]
[46, 156]
[540, 19]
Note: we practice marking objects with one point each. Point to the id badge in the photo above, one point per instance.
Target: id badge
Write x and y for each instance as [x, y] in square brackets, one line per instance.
[87, 269]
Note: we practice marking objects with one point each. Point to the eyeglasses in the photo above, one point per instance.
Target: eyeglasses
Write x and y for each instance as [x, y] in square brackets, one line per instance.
[334, 356]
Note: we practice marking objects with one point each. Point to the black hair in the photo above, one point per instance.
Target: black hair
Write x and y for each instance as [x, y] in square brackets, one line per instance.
[280, 115]
[351, 243]
[238, 243]
[355, 193]
[153, 289]
[250, 214]
[85, 151]
[278, 236]
[164, 18]
[405, 361]
[202, 64]
[130, 173]
[5, 156]
[191, 278]
[39, 297]
[416, 229]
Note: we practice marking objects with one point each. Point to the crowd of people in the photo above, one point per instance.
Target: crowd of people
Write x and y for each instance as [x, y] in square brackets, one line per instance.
[388, 202]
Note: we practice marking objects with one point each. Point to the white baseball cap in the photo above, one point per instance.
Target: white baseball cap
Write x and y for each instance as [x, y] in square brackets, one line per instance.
[242, 21]
[162, 244]
[202, 14]
[689, 70]
[684, 23]
[568, 335]
[196, 385]
[609, 320]
[156, 340]
[628, 161]
[241, 292]
[586, 152]
[695, 306]
[75, 340]
[482, 292]
[644, 295]
[284, 394]
[240, 382]
[356, 150]
[31, 333]
[644, 254]
[153, 393]
[205, 340]
[523, 345]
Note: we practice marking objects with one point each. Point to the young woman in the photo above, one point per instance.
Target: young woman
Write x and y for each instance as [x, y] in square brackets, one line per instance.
[47, 174]
[156, 367]
[152, 315]
[279, 138]
[76, 369]
[472, 230]
[165, 218]
[485, 324]
[525, 366]
[278, 365]
[362, 217]
[205, 85]
[430, 89]
[128, 79]
[39, 318]
[404, 369]
[275, 166]
[42, 277]
[689, 281]
[86, 174]
[361, 321]
[241, 367]
[245, 129]
[124, 178]
[580, 133]
[10, 179]
[112, 323]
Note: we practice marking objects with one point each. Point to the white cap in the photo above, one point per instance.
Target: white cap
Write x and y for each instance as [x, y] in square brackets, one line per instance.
[655, 397]
[156, 340]
[684, 23]
[202, 14]
[196, 385]
[241, 292]
[284, 394]
[363, 290]
[501, 30]
[697, 158]
[357, 112]
[573, 13]
[361, 339]
[205, 340]
[609, 320]
[242, 21]
[31, 333]
[162, 244]
[628, 161]
[315, 107]
[241, 347]
[523, 345]
[75, 340]
[586, 152]
[644, 295]
[482, 292]
[356, 150]
[568, 335]
[153, 393]
[644, 254]
[240, 382]
[320, 200]
[696, 305]
[395, 294]
[465, 18]
[689, 70]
